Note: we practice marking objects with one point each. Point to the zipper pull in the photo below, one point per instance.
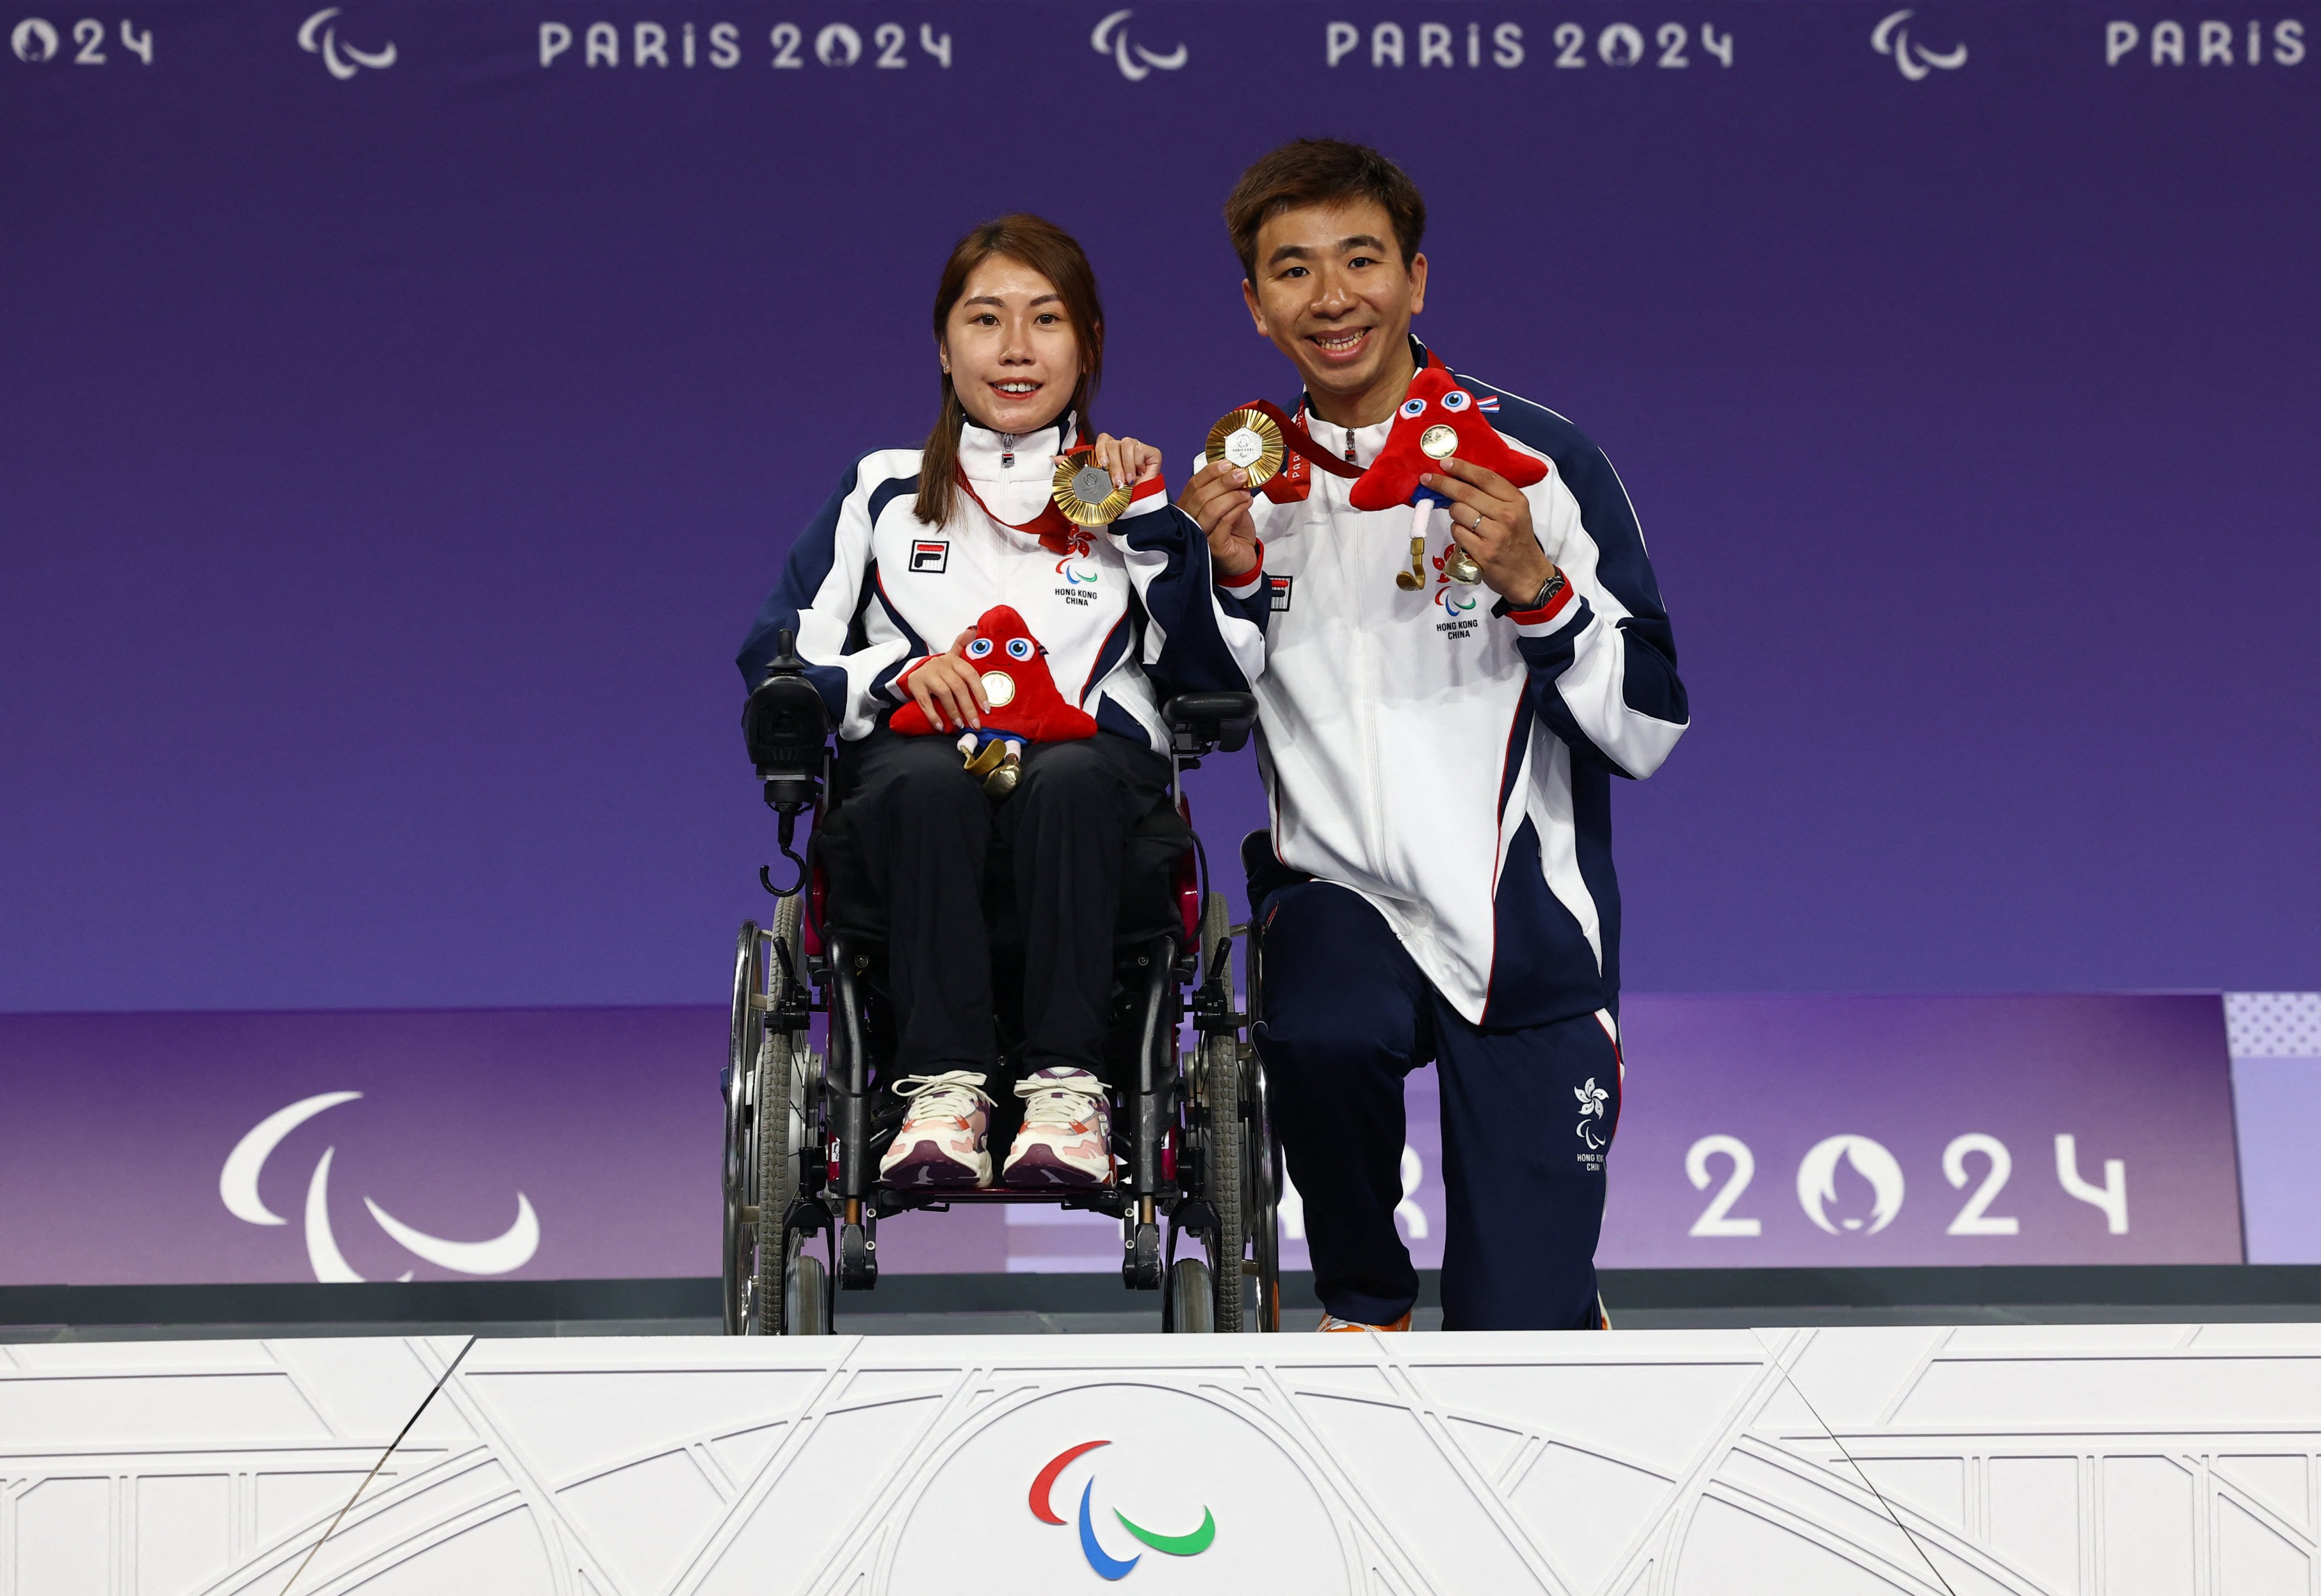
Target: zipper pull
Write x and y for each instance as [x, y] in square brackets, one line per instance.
[1006, 451]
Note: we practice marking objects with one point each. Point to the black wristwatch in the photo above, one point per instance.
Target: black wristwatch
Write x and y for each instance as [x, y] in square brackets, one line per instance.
[1548, 589]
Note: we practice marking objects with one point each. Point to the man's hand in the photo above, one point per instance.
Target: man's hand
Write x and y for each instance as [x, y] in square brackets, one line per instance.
[1491, 520]
[1217, 498]
[1128, 460]
[948, 679]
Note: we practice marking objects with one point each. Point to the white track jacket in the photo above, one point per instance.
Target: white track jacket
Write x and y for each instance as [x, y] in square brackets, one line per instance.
[870, 589]
[1450, 760]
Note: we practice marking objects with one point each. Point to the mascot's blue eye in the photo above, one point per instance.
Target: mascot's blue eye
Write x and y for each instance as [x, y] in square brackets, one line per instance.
[978, 648]
[1414, 408]
[1456, 399]
[1019, 648]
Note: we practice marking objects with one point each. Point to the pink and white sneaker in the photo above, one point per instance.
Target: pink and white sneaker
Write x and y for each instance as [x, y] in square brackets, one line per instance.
[1066, 1134]
[941, 1142]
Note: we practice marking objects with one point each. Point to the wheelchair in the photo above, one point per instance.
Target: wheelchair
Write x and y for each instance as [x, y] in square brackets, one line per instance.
[813, 1034]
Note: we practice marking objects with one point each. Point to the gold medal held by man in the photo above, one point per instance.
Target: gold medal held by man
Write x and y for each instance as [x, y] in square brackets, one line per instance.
[1251, 441]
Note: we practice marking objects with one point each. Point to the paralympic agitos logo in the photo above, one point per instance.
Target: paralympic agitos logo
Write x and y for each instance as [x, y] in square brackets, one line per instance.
[1100, 1560]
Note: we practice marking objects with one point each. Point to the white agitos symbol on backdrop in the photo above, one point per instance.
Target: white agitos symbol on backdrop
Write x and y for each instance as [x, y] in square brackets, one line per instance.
[1111, 38]
[342, 60]
[1890, 37]
[1817, 1180]
[238, 1185]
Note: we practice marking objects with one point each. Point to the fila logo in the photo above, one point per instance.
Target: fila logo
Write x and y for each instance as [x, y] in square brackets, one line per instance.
[1278, 586]
[932, 555]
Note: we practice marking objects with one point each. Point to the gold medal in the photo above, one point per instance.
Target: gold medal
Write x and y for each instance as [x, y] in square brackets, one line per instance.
[1438, 442]
[1085, 491]
[1249, 440]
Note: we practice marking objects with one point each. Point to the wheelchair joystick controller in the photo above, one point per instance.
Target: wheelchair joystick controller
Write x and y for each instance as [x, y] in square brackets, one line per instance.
[785, 724]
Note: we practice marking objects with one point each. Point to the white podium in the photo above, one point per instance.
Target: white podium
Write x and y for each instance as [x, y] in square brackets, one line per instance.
[2106, 1461]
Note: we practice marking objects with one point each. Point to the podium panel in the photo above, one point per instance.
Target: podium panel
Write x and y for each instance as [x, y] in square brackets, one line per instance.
[2119, 1459]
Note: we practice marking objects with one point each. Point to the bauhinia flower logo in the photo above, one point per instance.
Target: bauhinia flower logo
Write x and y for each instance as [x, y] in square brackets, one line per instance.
[1592, 1098]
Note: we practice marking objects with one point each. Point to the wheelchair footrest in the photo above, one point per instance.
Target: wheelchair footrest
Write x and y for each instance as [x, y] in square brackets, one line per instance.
[1140, 1262]
[858, 1258]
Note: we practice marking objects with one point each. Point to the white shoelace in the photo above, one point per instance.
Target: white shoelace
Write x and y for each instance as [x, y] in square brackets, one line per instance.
[956, 1092]
[1048, 1101]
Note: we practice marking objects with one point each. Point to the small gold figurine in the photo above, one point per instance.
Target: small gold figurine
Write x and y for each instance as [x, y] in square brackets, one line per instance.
[1415, 579]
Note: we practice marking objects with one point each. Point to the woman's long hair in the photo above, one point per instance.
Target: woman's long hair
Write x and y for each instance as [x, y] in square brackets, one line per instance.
[1047, 250]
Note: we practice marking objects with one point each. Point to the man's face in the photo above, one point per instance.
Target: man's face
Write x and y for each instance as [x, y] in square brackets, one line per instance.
[1333, 294]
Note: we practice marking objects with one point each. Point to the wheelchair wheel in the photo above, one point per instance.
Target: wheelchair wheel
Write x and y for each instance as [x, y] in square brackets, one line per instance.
[805, 1296]
[776, 1182]
[741, 1169]
[1225, 1150]
[779, 1123]
[1216, 930]
[1262, 1204]
[1191, 1304]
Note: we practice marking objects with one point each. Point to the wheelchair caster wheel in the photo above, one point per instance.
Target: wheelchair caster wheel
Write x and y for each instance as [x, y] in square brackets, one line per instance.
[1191, 1302]
[858, 1259]
[1139, 1265]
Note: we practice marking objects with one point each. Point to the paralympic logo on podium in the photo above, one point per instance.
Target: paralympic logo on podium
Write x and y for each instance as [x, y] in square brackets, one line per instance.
[1098, 1559]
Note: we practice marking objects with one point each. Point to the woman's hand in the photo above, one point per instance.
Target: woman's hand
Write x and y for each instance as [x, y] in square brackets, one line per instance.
[1129, 461]
[948, 679]
[1217, 498]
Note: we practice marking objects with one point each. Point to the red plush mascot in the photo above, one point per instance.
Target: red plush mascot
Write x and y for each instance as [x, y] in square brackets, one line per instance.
[1026, 706]
[1437, 421]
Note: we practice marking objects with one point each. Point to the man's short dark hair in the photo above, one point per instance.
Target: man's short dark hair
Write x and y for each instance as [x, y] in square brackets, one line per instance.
[1322, 171]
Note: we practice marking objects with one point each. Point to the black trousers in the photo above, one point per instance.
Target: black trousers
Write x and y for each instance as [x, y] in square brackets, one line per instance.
[925, 827]
[1528, 1118]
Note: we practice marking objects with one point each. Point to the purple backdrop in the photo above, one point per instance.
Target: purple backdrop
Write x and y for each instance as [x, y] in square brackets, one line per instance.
[122, 1134]
[394, 454]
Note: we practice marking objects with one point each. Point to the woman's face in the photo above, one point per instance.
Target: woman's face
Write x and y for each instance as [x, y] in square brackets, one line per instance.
[1013, 357]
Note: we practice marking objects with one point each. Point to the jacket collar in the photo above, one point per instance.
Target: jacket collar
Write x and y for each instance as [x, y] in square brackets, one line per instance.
[987, 456]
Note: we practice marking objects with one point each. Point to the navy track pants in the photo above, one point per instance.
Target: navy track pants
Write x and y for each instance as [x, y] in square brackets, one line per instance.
[1527, 1117]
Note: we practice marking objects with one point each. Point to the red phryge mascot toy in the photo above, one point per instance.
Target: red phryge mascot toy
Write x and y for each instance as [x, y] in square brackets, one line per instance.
[1437, 421]
[1026, 706]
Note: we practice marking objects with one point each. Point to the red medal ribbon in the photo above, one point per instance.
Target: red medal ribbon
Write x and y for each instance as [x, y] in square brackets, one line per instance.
[1300, 441]
[1057, 532]
[1294, 480]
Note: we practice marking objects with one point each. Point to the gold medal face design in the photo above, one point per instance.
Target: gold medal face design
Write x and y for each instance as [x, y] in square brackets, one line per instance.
[1084, 493]
[1438, 442]
[1249, 440]
[999, 688]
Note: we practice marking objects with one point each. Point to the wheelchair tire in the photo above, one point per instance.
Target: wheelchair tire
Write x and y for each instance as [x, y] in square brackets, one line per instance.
[1216, 928]
[776, 1183]
[739, 1177]
[778, 1111]
[1191, 1303]
[1262, 1210]
[805, 1301]
[1226, 1145]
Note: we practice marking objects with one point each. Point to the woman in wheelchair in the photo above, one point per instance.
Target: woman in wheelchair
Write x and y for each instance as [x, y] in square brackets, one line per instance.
[885, 591]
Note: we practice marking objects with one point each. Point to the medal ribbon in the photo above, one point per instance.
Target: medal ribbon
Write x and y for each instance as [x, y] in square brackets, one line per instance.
[1300, 441]
[1056, 531]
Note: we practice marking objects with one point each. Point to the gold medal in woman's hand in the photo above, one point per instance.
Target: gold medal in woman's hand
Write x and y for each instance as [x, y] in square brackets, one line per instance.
[1085, 493]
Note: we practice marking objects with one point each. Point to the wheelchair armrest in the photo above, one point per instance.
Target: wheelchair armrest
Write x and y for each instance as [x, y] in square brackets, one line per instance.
[1199, 722]
[785, 725]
